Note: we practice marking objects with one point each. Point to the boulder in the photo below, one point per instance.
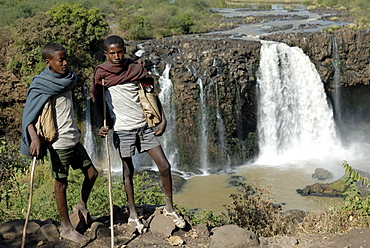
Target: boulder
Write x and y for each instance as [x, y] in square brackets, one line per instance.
[232, 236]
[322, 174]
[202, 230]
[99, 230]
[162, 225]
[14, 229]
[50, 231]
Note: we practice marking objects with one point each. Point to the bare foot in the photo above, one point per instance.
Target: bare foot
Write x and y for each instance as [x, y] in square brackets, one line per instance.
[84, 211]
[74, 236]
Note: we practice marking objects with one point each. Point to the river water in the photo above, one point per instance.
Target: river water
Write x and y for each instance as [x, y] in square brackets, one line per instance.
[297, 19]
[212, 192]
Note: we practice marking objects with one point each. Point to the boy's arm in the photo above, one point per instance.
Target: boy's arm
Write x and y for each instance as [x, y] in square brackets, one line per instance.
[35, 146]
[99, 112]
[98, 100]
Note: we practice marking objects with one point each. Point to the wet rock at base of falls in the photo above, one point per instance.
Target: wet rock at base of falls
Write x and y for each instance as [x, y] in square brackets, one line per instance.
[334, 189]
[322, 174]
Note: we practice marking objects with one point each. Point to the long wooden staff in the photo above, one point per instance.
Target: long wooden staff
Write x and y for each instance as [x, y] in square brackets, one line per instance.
[29, 203]
[109, 170]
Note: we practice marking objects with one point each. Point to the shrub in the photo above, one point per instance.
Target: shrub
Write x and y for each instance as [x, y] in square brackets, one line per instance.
[202, 216]
[78, 29]
[14, 189]
[11, 168]
[254, 210]
[354, 212]
[156, 19]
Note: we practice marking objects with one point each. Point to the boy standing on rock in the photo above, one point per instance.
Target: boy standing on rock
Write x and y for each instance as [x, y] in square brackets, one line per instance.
[122, 77]
[56, 82]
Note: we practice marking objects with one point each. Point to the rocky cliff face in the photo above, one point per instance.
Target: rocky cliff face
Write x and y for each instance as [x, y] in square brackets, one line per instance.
[215, 88]
[223, 71]
[228, 70]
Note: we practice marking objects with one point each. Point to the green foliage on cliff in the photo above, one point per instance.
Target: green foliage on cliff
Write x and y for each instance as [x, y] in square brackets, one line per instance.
[354, 201]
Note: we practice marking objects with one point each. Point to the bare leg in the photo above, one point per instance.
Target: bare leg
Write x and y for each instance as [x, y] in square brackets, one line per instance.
[90, 174]
[128, 173]
[67, 232]
[164, 168]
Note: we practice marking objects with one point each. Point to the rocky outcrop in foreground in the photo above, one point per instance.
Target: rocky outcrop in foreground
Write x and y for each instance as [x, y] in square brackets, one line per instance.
[161, 232]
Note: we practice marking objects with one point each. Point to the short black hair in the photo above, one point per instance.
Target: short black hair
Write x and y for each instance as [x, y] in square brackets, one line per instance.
[113, 39]
[48, 50]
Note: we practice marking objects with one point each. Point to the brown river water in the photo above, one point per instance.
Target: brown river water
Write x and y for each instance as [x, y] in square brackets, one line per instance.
[211, 192]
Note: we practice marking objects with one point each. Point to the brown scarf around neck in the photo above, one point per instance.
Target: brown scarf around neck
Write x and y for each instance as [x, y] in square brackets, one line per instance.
[114, 74]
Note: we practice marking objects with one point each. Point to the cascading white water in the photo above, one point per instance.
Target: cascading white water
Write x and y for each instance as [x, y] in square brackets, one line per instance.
[221, 127]
[89, 138]
[295, 120]
[91, 146]
[221, 135]
[169, 139]
[202, 117]
[203, 132]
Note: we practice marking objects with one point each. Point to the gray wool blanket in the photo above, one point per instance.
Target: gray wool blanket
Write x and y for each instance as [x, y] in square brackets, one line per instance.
[43, 86]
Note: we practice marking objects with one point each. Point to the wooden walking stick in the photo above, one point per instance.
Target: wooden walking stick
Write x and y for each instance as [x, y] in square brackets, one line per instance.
[109, 170]
[29, 203]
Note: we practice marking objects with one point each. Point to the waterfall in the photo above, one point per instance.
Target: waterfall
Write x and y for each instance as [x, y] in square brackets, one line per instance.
[336, 81]
[222, 149]
[97, 153]
[203, 145]
[221, 133]
[203, 132]
[169, 139]
[295, 121]
[89, 137]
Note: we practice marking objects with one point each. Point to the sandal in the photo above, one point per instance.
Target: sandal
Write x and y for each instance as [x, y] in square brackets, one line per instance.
[136, 224]
[177, 219]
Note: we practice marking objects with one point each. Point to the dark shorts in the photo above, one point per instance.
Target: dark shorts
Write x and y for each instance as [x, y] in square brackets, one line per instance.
[61, 159]
[143, 139]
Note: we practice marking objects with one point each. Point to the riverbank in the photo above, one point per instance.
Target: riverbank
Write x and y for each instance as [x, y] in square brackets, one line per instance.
[162, 233]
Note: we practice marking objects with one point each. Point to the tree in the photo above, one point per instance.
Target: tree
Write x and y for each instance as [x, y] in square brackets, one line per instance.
[78, 29]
